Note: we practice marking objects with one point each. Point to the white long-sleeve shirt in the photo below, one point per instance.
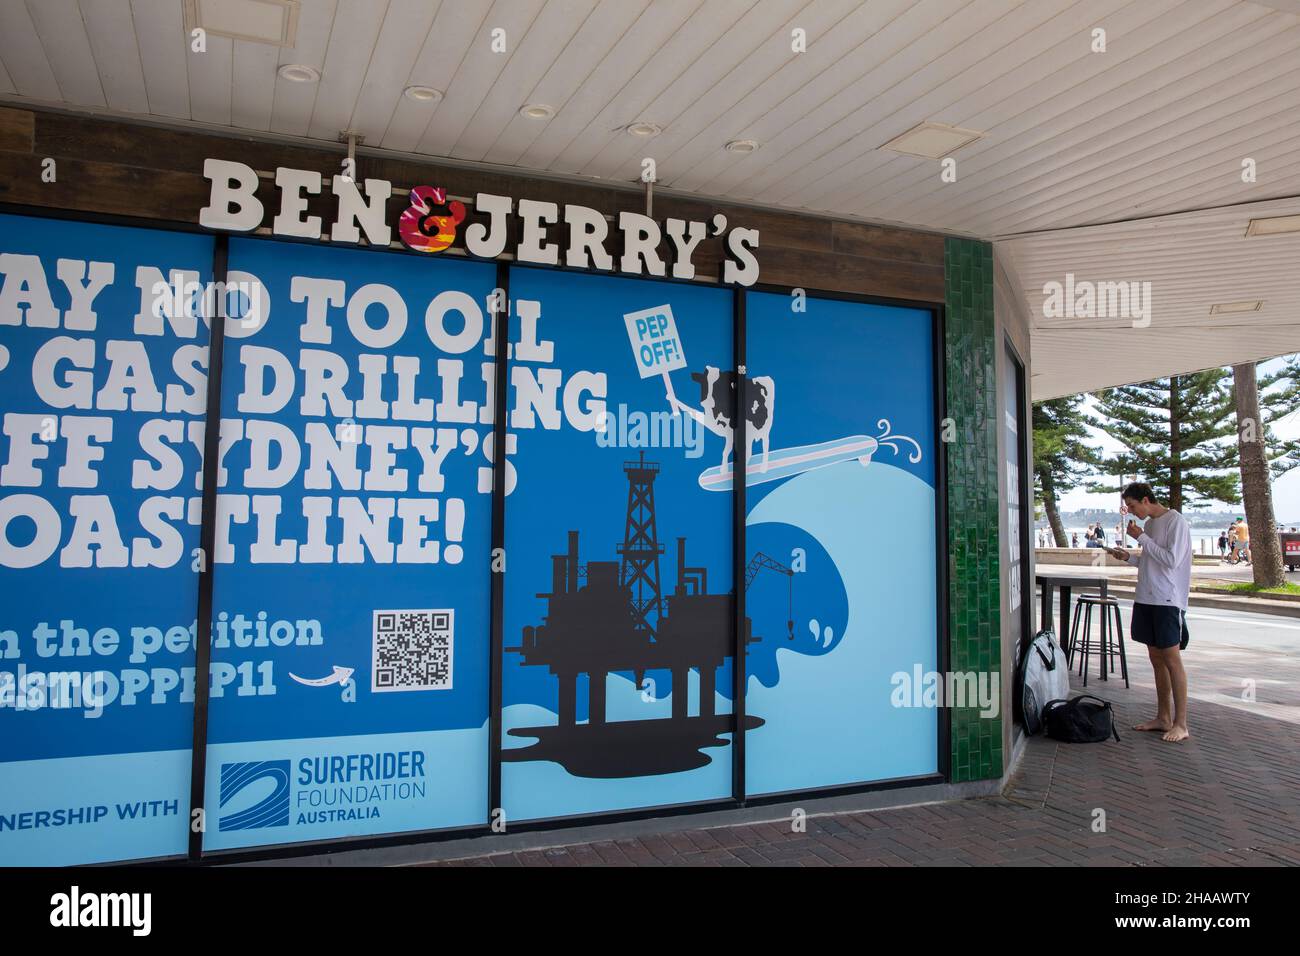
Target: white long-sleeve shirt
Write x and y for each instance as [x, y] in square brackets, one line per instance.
[1165, 565]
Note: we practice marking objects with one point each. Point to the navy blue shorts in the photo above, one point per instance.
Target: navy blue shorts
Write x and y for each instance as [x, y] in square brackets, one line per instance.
[1160, 625]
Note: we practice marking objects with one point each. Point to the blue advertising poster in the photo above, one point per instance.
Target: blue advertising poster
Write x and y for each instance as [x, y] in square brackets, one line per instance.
[351, 601]
[103, 387]
[840, 491]
[618, 589]
[352, 558]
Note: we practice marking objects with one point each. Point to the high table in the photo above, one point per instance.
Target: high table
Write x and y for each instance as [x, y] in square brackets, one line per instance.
[1066, 582]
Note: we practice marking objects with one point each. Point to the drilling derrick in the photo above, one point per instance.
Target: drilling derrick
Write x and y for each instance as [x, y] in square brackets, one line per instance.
[641, 549]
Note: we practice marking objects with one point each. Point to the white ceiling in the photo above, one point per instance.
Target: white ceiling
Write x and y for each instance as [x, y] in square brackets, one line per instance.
[1192, 261]
[1158, 124]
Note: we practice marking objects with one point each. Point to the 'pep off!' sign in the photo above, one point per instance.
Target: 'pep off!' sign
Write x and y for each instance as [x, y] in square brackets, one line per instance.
[655, 343]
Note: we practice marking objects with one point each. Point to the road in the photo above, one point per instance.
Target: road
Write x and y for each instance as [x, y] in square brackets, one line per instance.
[1230, 654]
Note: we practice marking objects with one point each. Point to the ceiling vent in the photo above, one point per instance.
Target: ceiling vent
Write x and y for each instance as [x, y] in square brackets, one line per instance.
[933, 140]
[259, 21]
[1276, 226]
[1230, 308]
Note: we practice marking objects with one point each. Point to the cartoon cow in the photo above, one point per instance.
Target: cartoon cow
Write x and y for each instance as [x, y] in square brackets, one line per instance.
[717, 404]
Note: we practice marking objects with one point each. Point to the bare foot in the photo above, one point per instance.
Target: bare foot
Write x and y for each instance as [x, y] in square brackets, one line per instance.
[1175, 735]
[1157, 724]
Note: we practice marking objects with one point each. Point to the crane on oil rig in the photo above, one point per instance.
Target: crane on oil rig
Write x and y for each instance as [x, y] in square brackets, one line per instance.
[760, 561]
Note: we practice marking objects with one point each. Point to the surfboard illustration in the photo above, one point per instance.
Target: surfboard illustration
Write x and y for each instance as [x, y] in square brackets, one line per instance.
[786, 462]
[657, 349]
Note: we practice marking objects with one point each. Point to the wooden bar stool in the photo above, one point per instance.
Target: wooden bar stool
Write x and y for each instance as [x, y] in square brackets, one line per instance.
[1103, 645]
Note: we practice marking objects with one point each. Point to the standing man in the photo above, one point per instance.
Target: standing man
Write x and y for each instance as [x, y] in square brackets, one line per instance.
[1160, 604]
[1243, 538]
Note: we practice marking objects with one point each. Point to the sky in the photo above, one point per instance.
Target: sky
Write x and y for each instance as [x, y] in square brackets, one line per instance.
[1286, 490]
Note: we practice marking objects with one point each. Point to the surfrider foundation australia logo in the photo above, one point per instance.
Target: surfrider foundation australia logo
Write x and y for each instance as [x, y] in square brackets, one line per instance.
[259, 794]
[271, 811]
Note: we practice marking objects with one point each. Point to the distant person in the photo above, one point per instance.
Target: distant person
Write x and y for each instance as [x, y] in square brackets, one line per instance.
[1239, 541]
[1074, 539]
[1223, 545]
[1160, 603]
[1101, 536]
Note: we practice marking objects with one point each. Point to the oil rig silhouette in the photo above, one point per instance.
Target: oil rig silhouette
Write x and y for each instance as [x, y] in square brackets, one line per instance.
[610, 616]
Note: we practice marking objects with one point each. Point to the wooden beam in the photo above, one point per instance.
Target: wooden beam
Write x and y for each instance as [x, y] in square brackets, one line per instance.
[103, 188]
[106, 166]
[17, 130]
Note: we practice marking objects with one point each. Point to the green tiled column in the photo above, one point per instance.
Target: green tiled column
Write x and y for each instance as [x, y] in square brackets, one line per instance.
[975, 627]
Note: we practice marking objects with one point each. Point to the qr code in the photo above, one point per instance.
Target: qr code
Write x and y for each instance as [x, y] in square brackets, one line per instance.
[412, 650]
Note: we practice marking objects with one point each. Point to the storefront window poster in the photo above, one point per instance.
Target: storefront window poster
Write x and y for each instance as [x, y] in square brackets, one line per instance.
[103, 386]
[351, 599]
[352, 562]
[618, 613]
[840, 492]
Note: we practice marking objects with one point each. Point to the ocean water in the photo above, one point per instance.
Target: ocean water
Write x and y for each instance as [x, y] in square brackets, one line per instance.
[1204, 540]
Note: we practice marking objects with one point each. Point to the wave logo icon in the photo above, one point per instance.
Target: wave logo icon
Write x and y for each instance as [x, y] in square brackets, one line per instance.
[271, 811]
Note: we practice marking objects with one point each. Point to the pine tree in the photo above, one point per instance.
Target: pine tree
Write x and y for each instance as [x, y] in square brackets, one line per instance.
[1279, 396]
[1178, 434]
[1266, 546]
[1063, 455]
[1289, 375]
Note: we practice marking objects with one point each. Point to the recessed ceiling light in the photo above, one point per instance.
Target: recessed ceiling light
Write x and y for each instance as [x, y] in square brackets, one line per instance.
[1223, 308]
[422, 94]
[644, 130]
[299, 73]
[932, 140]
[537, 111]
[261, 21]
[1273, 227]
[741, 146]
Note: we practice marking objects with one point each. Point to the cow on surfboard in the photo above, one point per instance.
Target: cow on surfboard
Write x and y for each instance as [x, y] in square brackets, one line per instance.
[715, 413]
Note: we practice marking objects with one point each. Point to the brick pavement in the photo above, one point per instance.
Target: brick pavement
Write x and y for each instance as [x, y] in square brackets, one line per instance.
[1228, 797]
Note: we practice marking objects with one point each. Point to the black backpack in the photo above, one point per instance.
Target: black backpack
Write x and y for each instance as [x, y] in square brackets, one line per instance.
[1080, 720]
